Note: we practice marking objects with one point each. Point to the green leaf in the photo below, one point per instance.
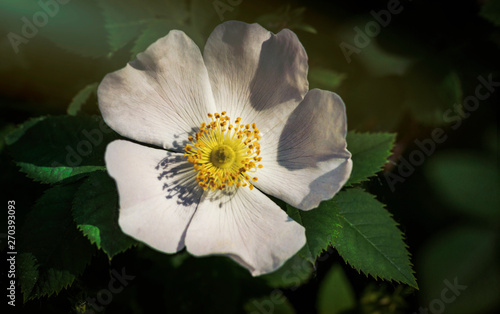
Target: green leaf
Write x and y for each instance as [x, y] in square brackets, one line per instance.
[128, 19]
[335, 294]
[152, 32]
[77, 27]
[369, 153]
[293, 273]
[124, 21]
[95, 210]
[321, 226]
[466, 182]
[50, 236]
[368, 238]
[491, 11]
[28, 273]
[50, 149]
[325, 79]
[81, 98]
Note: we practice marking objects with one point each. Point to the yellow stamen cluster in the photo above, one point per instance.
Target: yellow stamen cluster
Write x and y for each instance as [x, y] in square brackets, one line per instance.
[224, 154]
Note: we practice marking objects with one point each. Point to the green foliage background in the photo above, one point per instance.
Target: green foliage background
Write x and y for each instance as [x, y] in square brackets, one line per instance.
[440, 221]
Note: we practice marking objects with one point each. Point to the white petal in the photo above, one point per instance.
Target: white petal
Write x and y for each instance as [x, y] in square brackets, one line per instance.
[246, 226]
[160, 96]
[306, 161]
[256, 75]
[158, 193]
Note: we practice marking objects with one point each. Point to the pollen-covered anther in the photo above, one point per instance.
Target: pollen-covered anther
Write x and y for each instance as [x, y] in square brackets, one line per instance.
[224, 153]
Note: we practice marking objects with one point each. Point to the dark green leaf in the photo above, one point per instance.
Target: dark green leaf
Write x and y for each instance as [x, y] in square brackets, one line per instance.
[335, 294]
[275, 303]
[466, 182]
[129, 19]
[81, 98]
[465, 258]
[95, 210]
[152, 32]
[321, 226]
[325, 79]
[293, 273]
[369, 153]
[491, 11]
[432, 90]
[50, 149]
[78, 27]
[368, 238]
[51, 237]
[28, 273]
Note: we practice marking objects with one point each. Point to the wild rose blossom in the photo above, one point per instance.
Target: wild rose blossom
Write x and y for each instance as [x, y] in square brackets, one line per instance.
[230, 126]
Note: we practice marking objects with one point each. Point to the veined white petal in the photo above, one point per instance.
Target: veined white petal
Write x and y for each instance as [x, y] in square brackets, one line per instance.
[246, 226]
[254, 74]
[306, 160]
[158, 193]
[160, 96]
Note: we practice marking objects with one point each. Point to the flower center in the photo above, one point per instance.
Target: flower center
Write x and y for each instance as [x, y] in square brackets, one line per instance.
[222, 157]
[224, 154]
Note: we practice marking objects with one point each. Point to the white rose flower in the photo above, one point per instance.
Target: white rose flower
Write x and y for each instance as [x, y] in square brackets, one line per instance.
[231, 126]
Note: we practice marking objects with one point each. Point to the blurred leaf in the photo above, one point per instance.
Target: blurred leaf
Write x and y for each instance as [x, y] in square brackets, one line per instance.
[151, 33]
[81, 98]
[369, 153]
[379, 62]
[95, 211]
[126, 20]
[285, 17]
[432, 89]
[50, 149]
[368, 238]
[465, 258]
[491, 11]
[325, 79]
[4, 131]
[276, 303]
[335, 294]
[28, 273]
[77, 27]
[467, 182]
[50, 236]
[203, 18]
[293, 273]
[374, 103]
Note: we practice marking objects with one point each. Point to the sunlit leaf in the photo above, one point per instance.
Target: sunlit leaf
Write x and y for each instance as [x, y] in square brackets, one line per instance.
[368, 238]
[362, 231]
[369, 153]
